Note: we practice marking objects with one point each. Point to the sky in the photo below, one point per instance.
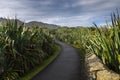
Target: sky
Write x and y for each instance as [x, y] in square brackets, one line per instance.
[60, 12]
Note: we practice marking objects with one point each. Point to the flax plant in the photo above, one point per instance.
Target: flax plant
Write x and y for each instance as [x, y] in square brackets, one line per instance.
[106, 43]
[22, 48]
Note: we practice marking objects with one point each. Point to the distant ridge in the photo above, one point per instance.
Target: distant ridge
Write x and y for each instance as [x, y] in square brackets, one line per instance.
[32, 23]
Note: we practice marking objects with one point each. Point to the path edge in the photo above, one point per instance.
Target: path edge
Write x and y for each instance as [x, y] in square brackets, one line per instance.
[45, 63]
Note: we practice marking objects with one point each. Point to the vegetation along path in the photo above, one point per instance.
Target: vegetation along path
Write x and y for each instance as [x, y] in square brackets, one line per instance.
[67, 66]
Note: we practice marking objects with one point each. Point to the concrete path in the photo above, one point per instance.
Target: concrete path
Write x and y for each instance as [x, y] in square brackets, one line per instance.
[67, 66]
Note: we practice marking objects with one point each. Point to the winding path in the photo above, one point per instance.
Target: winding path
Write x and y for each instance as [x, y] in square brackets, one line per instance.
[67, 66]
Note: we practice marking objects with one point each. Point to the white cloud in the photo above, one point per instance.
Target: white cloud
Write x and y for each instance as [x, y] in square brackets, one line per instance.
[77, 12]
[85, 2]
[10, 8]
[45, 3]
[96, 5]
[69, 21]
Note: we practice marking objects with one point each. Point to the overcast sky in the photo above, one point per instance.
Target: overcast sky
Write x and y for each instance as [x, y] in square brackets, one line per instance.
[61, 12]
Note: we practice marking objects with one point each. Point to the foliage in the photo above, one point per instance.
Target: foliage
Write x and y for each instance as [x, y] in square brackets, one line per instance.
[22, 48]
[102, 41]
[75, 36]
[106, 44]
[45, 63]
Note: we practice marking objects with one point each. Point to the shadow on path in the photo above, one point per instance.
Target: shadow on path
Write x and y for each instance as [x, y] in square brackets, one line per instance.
[67, 66]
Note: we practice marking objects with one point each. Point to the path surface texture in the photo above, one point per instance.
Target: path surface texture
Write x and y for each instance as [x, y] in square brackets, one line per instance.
[67, 66]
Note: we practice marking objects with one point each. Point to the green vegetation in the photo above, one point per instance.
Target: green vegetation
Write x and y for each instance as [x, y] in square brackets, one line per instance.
[45, 63]
[23, 48]
[106, 44]
[78, 37]
[102, 41]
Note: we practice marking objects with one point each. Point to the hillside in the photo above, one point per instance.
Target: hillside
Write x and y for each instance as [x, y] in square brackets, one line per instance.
[32, 23]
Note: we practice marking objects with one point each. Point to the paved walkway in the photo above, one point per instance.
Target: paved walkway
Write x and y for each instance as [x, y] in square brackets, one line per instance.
[67, 66]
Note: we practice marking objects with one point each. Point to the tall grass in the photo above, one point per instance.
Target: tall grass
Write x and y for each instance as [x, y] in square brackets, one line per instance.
[106, 43]
[22, 48]
[75, 36]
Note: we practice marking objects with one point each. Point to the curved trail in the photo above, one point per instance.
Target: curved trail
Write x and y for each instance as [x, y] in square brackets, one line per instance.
[67, 66]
